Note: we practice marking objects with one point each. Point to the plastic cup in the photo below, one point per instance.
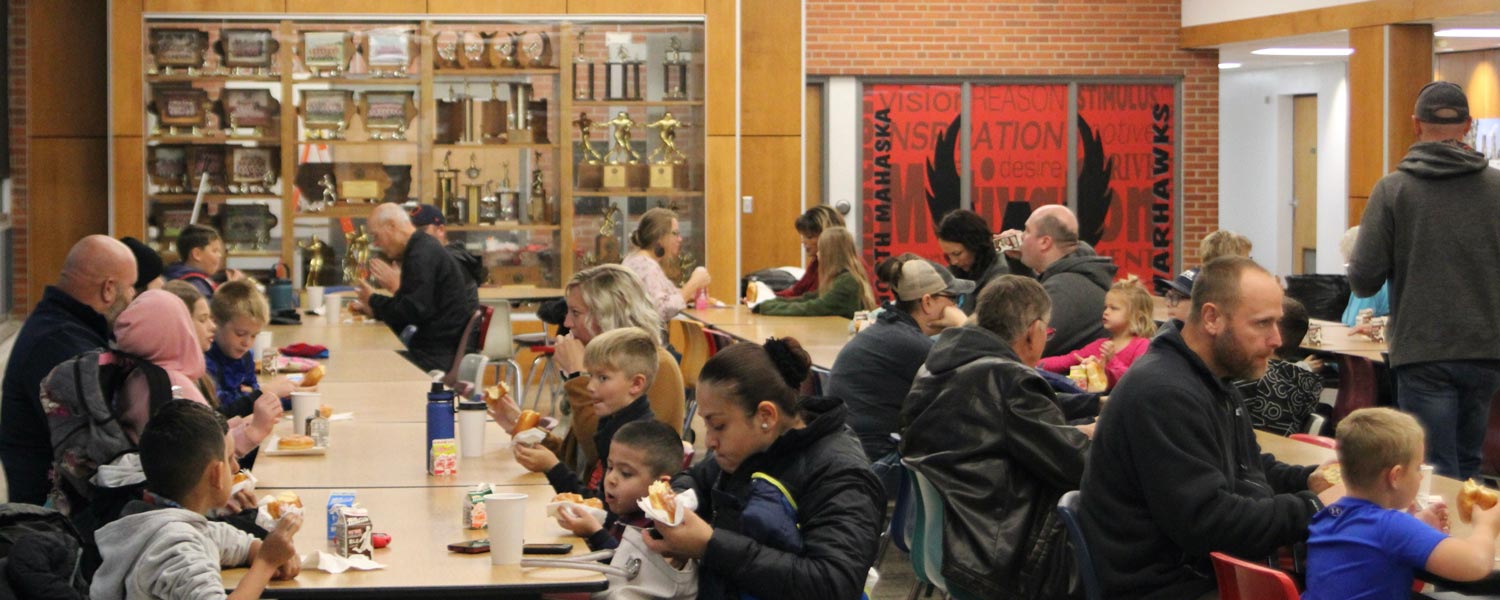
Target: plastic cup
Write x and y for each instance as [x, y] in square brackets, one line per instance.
[331, 305]
[507, 517]
[471, 420]
[262, 345]
[1426, 487]
[314, 297]
[304, 406]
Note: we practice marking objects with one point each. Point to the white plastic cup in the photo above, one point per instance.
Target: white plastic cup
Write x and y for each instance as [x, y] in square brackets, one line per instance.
[1426, 487]
[507, 517]
[304, 405]
[314, 297]
[471, 420]
[331, 305]
[262, 345]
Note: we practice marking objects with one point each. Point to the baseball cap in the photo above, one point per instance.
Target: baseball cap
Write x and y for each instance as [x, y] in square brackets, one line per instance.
[1182, 284]
[1442, 102]
[147, 262]
[427, 214]
[920, 277]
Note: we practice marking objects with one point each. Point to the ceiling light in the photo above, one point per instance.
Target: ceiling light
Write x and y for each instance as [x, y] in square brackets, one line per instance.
[1303, 51]
[1229, 65]
[1469, 33]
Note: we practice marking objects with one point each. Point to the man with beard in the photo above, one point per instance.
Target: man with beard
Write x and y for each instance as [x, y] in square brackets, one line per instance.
[74, 316]
[1175, 472]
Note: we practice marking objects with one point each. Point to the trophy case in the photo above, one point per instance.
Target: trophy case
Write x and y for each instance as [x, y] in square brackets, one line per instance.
[542, 141]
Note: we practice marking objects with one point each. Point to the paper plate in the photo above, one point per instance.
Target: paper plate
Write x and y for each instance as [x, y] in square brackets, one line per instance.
[268, 448]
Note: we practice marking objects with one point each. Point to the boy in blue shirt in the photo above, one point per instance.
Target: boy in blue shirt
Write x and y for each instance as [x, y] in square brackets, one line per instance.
[1366, 546]
[240, 311]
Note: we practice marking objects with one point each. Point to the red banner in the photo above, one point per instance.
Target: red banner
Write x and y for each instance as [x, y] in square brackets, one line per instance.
[1126, 170]
[909, 167]
[1018, 140]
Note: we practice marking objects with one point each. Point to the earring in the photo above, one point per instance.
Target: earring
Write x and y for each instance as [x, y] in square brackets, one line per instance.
[660, 251]
[765, 426]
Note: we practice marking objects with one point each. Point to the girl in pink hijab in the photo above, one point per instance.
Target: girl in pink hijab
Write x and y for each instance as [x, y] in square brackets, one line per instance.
[158, 328]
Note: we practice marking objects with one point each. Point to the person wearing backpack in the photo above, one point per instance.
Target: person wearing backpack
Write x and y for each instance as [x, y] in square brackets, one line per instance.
[201, 251]
[74, 316]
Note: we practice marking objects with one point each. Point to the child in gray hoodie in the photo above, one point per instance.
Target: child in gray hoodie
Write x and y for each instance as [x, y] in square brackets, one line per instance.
[164, 546]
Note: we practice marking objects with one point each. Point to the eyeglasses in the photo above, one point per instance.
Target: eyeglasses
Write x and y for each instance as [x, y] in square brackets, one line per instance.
[1051, 333]
[1173, 299]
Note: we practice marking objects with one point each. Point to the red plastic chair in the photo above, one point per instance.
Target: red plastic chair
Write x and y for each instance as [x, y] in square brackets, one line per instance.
[1316, 440]
[1240, 580]
[1358, 387]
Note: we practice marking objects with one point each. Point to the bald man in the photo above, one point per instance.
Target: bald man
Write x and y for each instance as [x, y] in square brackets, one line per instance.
[1073, 276]
[434, 295]
[74, 316]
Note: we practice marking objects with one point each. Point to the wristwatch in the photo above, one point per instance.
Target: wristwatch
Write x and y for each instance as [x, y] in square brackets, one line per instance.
[566, 377]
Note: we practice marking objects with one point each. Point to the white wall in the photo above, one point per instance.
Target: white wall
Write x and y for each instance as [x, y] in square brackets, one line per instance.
[1202, 12]
[1255, 163]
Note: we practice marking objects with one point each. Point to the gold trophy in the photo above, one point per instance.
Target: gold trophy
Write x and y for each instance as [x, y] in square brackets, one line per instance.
[583, 89]
[454, 209]
[356, 255]
[538, 210]
[510, 199]
[591, 168]
[315, 254]
[674, 76]
[607, 245]
[623, 168]
[667, 172]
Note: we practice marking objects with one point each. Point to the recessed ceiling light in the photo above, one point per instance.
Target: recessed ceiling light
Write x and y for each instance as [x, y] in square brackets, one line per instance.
[1229, 65]
[1303, 51]
[1469, 33]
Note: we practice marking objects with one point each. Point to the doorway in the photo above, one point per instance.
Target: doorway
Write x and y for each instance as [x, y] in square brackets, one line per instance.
[1304, 184]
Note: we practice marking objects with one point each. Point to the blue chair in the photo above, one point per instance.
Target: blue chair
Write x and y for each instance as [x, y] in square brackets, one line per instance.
[927, 534]
[1067, 508]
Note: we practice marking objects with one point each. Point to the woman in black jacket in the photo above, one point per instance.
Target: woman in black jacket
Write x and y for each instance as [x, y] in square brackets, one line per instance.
[967, 243]
[787, 504]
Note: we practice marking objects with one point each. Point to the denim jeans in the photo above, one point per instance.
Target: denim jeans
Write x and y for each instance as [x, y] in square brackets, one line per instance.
[1452, 402]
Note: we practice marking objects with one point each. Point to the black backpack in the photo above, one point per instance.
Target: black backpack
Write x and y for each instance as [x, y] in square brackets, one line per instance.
[41, 554]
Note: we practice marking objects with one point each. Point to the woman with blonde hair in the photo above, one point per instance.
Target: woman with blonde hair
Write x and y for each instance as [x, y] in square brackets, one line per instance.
[656, 238]
[600, 299]
[843, 287]
[810, 226]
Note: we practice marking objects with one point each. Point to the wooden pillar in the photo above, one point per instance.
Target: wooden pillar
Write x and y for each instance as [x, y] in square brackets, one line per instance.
[1389, 66]
[770, 132]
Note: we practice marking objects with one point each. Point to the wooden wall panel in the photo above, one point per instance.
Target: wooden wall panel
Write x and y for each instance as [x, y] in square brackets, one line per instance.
[125, 56]
[1479, 73]
[491, 7]
[636, 7]
[129, 181]
[771, 68]
[69, 200]
[1333, 18]
[1409, 67]
[723, 204]
[357, 6]
[237, 6]
[67, 75]
[771, 173]
[814, 147]
[1366, 111]
[722, 72]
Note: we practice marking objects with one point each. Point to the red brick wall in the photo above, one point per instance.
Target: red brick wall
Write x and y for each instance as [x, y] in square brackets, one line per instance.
[1035, 38]
[20, 295]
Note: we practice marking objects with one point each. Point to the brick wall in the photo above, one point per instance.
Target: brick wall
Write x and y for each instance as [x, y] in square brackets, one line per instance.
[1035, 38]
[16, 87]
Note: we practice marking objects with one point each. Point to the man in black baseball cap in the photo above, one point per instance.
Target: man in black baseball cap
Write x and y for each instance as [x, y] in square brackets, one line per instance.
[1432, 228]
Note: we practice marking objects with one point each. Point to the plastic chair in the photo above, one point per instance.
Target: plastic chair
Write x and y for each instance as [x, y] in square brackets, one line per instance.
[1240, 580]
[927, 535]
[498, 346]
[1067, 509]
[1358, 387]
[450, 378]
[1316, 440]
[898, 532]
[692, 342]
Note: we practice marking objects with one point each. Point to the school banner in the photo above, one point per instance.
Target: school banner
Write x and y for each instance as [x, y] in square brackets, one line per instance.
[910, 153]
[1126, 168]
[1018, 151]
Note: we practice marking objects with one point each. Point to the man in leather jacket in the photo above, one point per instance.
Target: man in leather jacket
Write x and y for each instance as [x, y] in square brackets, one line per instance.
[984, 429]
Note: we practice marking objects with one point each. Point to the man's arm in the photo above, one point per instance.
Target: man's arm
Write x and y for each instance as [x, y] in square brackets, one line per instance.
[1039, 438]
[1370, 265]
[416, 301]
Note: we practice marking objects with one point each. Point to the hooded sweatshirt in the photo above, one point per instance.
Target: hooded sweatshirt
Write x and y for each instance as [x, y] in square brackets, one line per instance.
[166, 553]
[157, 327]
[1077, 284]
[1433, 229]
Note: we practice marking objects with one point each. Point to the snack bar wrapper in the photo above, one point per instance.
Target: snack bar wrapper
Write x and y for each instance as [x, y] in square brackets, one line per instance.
[247, 485]
[686, 501]
[530, 437]
[598, 513]
[263, 516]
[475, 516]
[333, 563]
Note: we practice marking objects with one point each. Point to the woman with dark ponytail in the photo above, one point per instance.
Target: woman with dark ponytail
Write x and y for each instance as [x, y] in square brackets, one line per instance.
[658, 238]
[787, 504]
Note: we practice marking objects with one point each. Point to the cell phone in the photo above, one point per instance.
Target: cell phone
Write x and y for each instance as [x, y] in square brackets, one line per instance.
[546, 548]
[470, 546]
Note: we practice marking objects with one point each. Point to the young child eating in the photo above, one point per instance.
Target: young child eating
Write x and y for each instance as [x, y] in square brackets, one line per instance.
[642, 452]
[201, 251]
[241, 312]
[1127, 318]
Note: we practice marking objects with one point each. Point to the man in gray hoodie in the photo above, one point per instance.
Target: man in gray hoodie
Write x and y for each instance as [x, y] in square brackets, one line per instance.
[1433, 229]
[1073, 276]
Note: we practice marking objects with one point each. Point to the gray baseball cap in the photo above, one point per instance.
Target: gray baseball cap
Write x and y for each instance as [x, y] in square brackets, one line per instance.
[921, 277]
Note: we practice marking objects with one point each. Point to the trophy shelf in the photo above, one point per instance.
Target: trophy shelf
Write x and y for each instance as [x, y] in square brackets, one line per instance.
[634, 193]
[211, 78]
[635, 103]
[461, 73]
[342, 210]
[213, 197]
[392, 81]
[475, 147]
[360, 143]
[213, 140]
[503, 227]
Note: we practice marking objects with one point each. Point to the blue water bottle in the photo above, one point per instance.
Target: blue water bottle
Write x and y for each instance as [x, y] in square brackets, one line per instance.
[439, 418]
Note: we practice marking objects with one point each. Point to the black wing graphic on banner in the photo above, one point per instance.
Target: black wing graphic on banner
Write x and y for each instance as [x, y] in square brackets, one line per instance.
[944, 186]
[1094, 194]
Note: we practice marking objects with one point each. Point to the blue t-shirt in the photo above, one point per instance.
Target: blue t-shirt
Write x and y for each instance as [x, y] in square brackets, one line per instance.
[1358, 550]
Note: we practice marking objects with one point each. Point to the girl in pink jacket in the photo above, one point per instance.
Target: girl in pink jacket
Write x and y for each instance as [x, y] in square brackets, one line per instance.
[1127, 317]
